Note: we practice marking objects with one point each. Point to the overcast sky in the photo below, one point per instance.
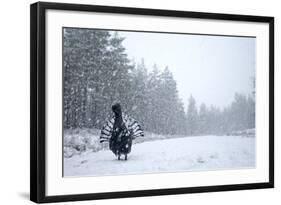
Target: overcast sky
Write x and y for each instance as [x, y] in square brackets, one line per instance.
[211, 68]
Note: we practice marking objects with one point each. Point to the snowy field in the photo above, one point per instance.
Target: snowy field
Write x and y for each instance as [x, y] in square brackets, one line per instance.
[167, 155]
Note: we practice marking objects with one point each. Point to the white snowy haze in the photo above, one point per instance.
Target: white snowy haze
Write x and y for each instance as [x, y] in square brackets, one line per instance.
[211, 68]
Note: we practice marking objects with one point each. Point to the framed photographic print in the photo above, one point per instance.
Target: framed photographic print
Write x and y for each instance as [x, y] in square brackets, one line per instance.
[129, 102]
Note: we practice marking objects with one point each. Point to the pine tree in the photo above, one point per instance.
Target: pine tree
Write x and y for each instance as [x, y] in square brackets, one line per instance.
[203, 120]
[152, 94]
[138, 93]
[251, 112]
[192, 117]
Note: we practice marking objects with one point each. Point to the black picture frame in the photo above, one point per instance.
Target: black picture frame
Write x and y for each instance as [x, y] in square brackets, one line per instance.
[38, 101]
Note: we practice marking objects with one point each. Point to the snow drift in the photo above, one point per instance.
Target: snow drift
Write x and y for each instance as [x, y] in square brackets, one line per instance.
[166, 155]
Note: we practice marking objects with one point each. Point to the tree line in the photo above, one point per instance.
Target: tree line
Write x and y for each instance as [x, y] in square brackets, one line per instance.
[239, 115]
[98, 73]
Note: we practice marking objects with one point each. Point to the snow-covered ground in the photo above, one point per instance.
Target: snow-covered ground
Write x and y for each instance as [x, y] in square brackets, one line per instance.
[168, 155]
